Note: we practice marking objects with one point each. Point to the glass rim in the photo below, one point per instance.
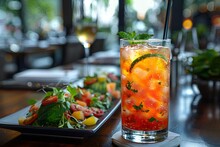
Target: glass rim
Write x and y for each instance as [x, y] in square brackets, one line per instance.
[148, 40]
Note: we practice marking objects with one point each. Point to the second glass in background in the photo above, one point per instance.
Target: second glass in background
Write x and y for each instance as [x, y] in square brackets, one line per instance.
[85, 24]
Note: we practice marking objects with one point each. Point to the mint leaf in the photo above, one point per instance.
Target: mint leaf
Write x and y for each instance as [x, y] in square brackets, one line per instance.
[125, 35]
[152, 119]
[134, 36]
[129, 87]
[138, 107]
[143, 36]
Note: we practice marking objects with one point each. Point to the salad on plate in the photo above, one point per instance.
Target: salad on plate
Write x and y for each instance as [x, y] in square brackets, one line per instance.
[74, 106]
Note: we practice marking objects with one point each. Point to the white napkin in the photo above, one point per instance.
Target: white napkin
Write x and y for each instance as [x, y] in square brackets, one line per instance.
[47, 75]
[173, 140]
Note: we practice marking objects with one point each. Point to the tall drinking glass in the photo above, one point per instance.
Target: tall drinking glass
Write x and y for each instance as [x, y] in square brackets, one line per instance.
[145, 89]
[85, 24]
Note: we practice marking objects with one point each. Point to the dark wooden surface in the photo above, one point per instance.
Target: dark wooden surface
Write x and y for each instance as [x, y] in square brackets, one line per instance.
[196, 118]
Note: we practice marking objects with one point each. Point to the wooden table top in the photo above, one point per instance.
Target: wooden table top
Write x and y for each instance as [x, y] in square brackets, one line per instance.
[196, 120]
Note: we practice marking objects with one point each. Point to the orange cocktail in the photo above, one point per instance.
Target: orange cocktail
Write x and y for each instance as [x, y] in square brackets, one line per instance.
[145, 89]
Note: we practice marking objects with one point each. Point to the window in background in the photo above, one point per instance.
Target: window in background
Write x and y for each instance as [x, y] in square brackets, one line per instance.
[10, 21]
[108, 16]
[11, 32]
[43, 17]
[203, 14]
[107, 23]
[145, 16]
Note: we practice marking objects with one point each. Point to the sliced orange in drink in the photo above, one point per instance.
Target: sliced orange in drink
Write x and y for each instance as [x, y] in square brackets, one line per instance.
[137, 60]
[150, 67]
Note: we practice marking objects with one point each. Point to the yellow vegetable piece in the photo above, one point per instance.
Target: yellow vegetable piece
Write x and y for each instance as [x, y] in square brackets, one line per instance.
[78, 115]
[111, 87]
[21, 120]
[81, 103]
[101, 78]
[92, 120]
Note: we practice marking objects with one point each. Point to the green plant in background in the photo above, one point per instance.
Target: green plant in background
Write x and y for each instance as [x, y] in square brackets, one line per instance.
[39, 9]
[202, 30]
[206, 64]
[174, 36]
[203, 33]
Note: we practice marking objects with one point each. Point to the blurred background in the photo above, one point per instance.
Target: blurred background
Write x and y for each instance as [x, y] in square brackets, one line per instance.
[40, 34]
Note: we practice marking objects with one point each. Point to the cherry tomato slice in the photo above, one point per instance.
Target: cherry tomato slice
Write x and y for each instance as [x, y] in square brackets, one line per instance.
[87, 112]
[113, 77]
[90, 81]
[67, 115]
[73, 107]
[97, 112]
[33, 109]
[76, 107]
[30, 120]
[86, 97]
[49, 100]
